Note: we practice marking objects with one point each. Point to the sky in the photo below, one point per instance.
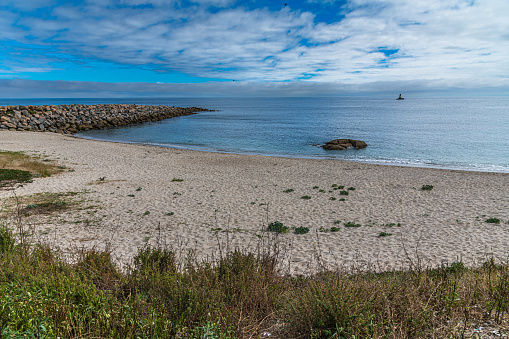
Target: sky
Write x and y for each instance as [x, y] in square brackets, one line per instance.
[200, 48]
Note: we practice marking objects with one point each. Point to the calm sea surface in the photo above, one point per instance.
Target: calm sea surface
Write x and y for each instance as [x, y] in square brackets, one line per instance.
[468, 134]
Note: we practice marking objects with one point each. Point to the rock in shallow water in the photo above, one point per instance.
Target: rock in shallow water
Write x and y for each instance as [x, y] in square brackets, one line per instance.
[341, 144]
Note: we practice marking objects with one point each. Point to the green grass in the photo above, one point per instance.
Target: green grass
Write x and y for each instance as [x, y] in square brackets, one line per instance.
[10, 176]
[426, 187]
[177, 180]
[18, 168]
[305, 197]
[238, 295]
[493, 221]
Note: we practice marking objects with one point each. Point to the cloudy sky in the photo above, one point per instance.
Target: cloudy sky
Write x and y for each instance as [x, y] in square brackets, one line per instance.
[97, 48]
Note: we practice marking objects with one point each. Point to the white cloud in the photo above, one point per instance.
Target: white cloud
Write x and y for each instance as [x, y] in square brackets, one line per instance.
[446, 41]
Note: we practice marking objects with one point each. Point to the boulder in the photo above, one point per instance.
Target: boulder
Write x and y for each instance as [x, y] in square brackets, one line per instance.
[341, 144]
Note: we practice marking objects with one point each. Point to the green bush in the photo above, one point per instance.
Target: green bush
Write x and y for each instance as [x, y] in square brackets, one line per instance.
[301, 230]
[278, 227]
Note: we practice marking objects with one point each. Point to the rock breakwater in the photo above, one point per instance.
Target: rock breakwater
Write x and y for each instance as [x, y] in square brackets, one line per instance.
[69, 119]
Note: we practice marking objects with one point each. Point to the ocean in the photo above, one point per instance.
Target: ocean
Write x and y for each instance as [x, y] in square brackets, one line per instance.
[451, 133]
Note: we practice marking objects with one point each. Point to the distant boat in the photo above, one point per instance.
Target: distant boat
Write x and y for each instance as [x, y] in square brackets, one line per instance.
[400, 98]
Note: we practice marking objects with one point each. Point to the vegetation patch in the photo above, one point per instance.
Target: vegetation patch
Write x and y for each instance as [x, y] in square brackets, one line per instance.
[17, 168]
[352, 224]
[301, 230]
[177, 180]
[384, 234]
[426, 187]
[493, 221]
[11, 177]
[278, 227]
[288, 190]
[305, 197]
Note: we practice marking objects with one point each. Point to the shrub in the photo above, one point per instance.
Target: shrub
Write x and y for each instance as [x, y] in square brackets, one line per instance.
[301, 230]
[493, 221]
[288, 190]
[426, 187]
[278, 227]
[383, 234]
[352, 224]
[334, 229]
[305, 197]
[343, 193]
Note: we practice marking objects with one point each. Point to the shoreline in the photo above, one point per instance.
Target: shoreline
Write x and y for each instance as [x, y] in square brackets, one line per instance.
[241, 194]
[368, 162]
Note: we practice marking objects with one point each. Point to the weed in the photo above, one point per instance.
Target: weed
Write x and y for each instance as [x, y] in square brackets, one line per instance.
[343, 193]
[146, 213]
[101, 179]
[332, 198]
[305, 197]
[315, 187]
[177, 180]
[383, 234]
[301, 230]
[337, 222]
[426, 187]
[288, 190]
[321, 191]
[131, 195]
[138, 189]
[342, 199]
[493, 221]
[278, 227]
[352, 224]
[170, 213]
[334, 229]
[351, 188]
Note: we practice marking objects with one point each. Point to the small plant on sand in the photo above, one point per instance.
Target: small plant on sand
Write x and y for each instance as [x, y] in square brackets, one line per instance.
[334, 229]
[101, 179]
[288, 190]
[343, 193]
[146, 213]
[493, 221]
[352, 224]
[138, 189]
[177, 180]
[337, 222]
[315, 187]
[301, 230]
[342, 199]
[332, 198]
[305, 197]
[278, 227]
[170, 213]
[426, 187]
[383, 234]
[131, 195]
[351, 188]
[334, 185]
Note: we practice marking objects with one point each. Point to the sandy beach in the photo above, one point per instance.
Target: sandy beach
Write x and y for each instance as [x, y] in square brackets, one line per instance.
[132, 195]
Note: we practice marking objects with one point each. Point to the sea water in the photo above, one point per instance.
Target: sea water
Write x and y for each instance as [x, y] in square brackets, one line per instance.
[453, 133]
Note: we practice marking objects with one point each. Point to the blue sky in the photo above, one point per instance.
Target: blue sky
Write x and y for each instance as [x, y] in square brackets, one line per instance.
[56, 48]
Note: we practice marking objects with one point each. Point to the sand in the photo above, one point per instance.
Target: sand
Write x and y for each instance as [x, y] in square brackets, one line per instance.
[127, 192]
